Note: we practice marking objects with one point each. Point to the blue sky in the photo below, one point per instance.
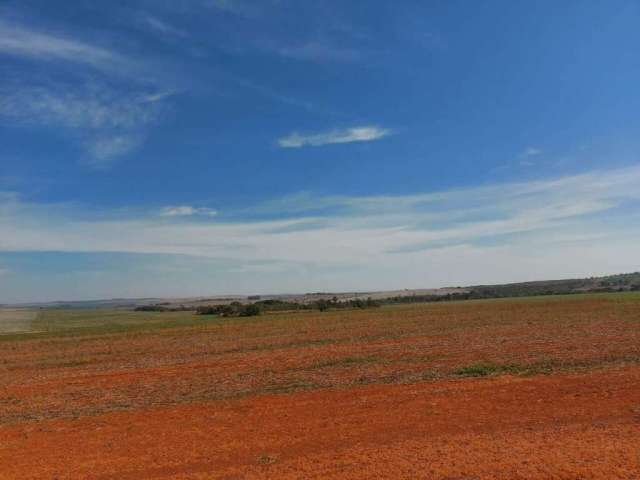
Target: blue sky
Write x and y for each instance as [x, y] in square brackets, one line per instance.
[234, 146]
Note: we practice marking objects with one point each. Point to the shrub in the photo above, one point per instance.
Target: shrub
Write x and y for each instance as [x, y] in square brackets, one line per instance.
[150, 308]
[224, 310]
[250, 310]
[231, 310]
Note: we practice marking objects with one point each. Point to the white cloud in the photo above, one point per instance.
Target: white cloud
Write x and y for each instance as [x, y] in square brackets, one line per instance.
[187, 211]
[23, 42]
[526, 157]
[158, 96]
[359, 230]
[233, 6]
[531, 152]
[104, 150]
[163, 27]
[108, 123]
[349, 135]
[277, 96]
[229, 5]
[568, 226]
[319, 51]
[91, 106]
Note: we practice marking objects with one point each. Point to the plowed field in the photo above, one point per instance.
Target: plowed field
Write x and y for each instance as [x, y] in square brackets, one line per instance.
[528, 388]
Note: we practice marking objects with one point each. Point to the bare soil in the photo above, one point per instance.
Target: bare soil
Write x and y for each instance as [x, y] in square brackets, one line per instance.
[545, 388]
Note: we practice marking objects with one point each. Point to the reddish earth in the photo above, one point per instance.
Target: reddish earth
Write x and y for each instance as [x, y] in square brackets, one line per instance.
[564, 426]
[338, 395]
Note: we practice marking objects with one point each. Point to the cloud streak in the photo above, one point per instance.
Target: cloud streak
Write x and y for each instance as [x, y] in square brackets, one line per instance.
[24, 42]
[527, 156]
[357, 229]
[92, 106]
[187, 211]
[107, 113]
[163, 27]
[348, 135]
[234, 7]
[104, 150]
[319, 51]
[531, 152]
[575, 225]
[107, 123]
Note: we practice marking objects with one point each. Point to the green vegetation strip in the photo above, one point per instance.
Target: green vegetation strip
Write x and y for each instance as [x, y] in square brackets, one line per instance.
[487, 369]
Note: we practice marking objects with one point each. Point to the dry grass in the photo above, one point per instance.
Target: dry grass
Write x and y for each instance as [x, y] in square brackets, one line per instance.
[13, 320]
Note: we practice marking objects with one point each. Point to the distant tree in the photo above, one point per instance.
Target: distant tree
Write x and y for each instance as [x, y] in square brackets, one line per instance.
[224, 310]
[371, 303]
[359, 303]
[322, 305]
[227, 310]
[250, 310]
[151, 308]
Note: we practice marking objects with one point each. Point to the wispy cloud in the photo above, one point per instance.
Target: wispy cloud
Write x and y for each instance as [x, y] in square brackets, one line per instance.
[107, 122]
[472, 213]
[187, 211]
[355, 230]
[575, 225]
[91, 106]
[531, 152]
[526, 157]
[229, 5]
[236, 7]
[163, 27]
[107, 113]
[276, 96]
[349, 135]
[104, 150]
[24, 42]
[158, 96]
[320, 51]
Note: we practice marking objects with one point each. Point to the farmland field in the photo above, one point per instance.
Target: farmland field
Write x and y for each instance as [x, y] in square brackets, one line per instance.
[546, 387]
[16, 320]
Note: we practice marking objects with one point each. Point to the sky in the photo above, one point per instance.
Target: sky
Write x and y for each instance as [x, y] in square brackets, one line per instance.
[204, 147]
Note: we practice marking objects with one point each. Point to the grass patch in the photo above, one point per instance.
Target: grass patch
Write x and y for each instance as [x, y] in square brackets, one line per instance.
[279, 346]
[289, 387]
[488, 369]
[341, 362]
[544, 367]
[85, 323]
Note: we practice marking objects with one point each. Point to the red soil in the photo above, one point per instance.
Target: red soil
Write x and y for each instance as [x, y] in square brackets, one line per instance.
[353, 395]
[570, 426]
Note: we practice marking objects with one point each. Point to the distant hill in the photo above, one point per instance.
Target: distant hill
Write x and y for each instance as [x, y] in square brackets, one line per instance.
[611, 283]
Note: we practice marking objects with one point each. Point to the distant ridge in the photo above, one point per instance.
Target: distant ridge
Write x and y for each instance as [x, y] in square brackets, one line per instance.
[609, 283]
